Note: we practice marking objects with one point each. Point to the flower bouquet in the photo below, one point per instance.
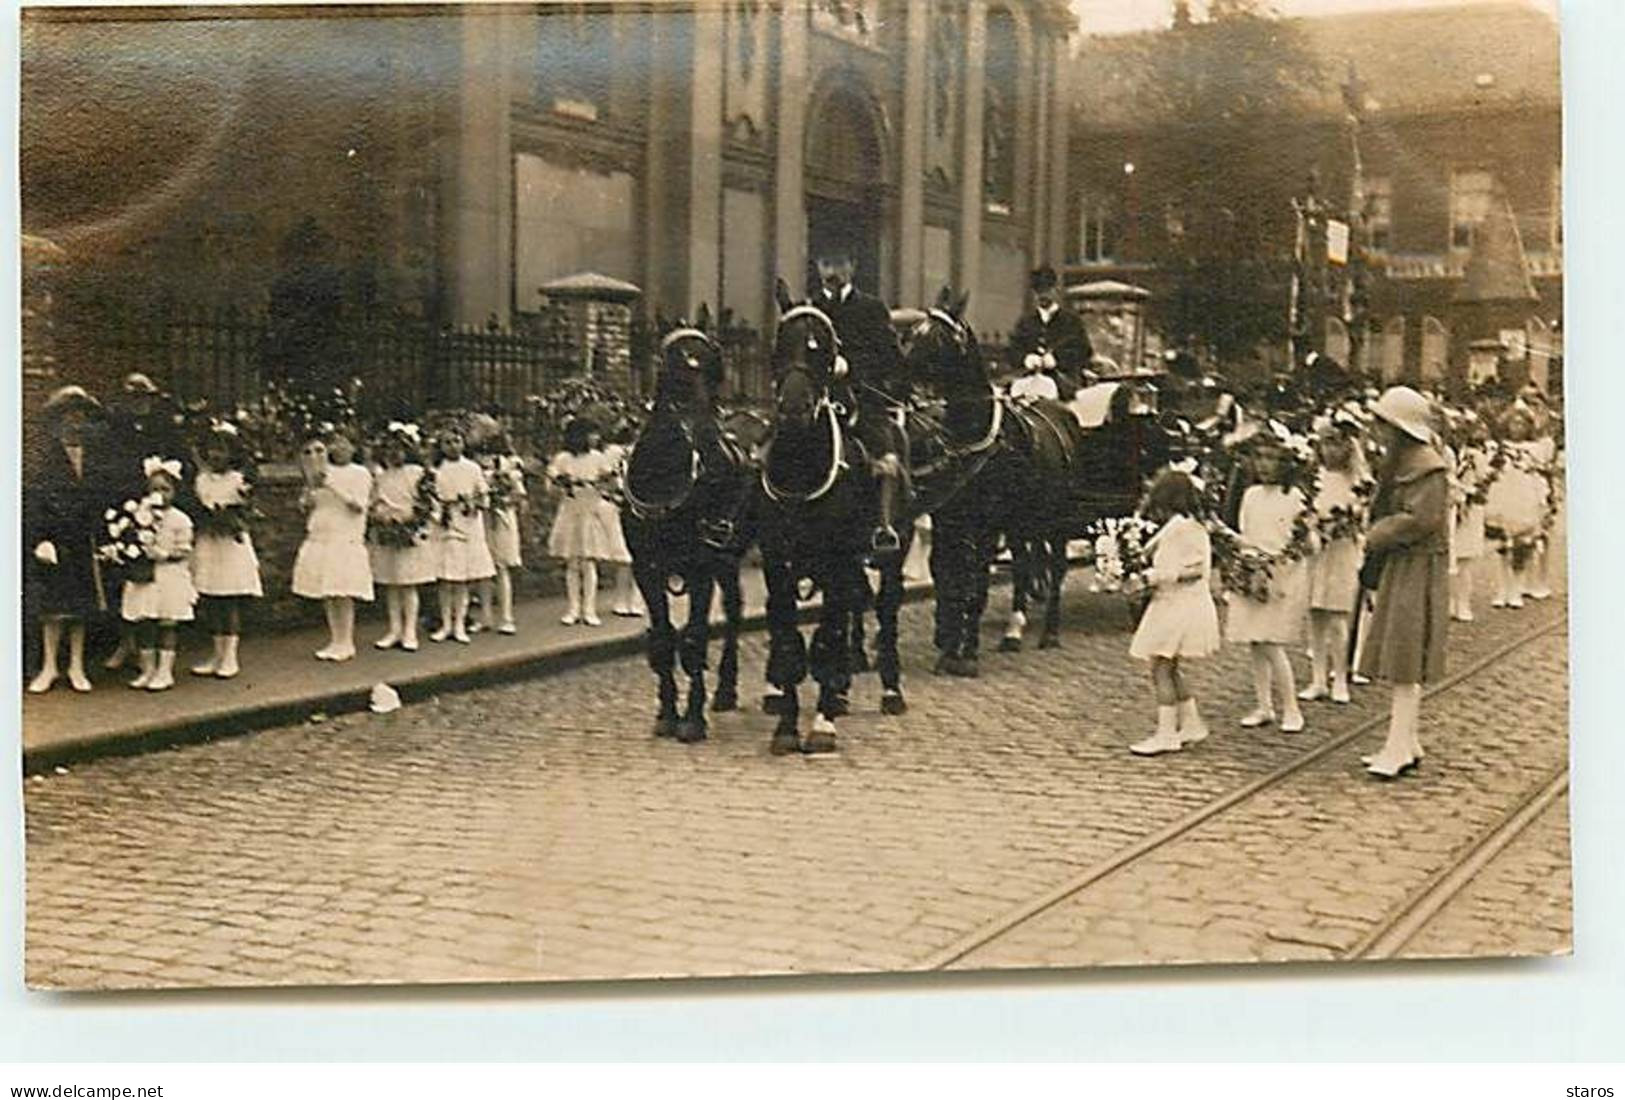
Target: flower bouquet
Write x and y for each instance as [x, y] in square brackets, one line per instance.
[132, 533]
[401, 532]
[229, 520]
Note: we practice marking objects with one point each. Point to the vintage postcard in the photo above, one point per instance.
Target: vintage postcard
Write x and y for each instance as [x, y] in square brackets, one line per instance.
[523, 492]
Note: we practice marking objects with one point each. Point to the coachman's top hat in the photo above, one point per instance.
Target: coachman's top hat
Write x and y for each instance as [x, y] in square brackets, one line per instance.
[1044, 279]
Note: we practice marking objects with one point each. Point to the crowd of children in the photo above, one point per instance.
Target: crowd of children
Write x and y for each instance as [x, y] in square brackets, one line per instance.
[1333, 550]
[422, 508]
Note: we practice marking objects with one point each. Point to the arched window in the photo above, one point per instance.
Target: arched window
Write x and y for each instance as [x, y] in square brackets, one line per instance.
[1435, 349]
[1002, 71]
[1393, 349]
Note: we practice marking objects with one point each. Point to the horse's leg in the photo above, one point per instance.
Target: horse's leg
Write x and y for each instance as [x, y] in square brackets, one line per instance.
[1055, 562]
[1020, 573]
[781, 615]
[831, 650]
[859, 654]
[787, 654]
[946, 577]
[888, 606]
[983, 548]
[661, 645]
[692, 651]
[733, 612]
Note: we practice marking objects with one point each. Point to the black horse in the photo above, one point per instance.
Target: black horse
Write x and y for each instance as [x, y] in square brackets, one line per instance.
[1009, 470]
[1113, 462]
[687, 520]
[818, 509]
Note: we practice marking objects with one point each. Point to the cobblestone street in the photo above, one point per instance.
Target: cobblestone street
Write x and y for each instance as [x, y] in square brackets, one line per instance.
[536, 830]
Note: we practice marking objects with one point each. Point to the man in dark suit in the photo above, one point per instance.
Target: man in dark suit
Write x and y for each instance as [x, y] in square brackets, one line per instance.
[1051, 338]
[874, 380]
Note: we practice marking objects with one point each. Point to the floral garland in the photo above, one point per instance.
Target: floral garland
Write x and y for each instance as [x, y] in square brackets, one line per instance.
[503, 473]
[1249, 570]
[1119, 544]
[1347, 521]
[402, 534]
[132, 535]
[230, 520]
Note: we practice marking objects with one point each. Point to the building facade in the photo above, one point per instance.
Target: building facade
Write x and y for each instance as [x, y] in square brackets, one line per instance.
[1460, 119]
[450, 162]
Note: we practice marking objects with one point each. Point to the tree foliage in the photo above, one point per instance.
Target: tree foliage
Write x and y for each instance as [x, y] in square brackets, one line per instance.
[1229, 89]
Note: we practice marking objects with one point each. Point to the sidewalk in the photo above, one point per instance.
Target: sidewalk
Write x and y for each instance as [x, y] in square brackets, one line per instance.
[282, 682]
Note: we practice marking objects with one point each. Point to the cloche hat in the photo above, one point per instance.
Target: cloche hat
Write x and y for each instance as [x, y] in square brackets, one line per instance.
[1406, 410]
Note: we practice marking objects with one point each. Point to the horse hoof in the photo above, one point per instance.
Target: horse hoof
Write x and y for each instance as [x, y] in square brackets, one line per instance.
[785, 742]
[665, 727]
[839, 707]
[1049, 641]
[818, 743]
[1009, 645]
[967, 668]
[774, 704]
[690, 733]
[893, 703]
[724, 701]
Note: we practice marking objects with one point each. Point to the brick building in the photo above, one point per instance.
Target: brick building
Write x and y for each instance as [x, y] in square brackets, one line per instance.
[1461, 121]
[449, 163]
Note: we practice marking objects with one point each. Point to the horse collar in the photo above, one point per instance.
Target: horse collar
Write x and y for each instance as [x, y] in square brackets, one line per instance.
[807, 309]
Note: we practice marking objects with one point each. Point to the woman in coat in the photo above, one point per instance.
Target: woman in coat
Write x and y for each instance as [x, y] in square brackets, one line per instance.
[1409, 542]
[62, 511]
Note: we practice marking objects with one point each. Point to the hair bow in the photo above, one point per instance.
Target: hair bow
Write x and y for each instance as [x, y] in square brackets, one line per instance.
[224, 427]
[152, 464]
[1188, 467]
[397, 427]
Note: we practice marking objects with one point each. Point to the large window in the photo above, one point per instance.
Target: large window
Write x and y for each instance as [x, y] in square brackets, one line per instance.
[1379, 212]
[1471, 191]
[1097, 231]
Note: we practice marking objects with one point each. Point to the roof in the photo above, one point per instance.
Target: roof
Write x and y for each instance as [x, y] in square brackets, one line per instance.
[590, 284]
[1427, 59]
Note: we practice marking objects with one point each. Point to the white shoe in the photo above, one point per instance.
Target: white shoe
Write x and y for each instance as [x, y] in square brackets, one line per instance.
[1515, 603]
[42, 683]
[1463, 616]
[164, 678]
[1293, 722]
[345, 653]
[228, 659]
[409, 644]
[1193, 737]
[149, 667]
[591, 619]
[441, 634]
[325, 653]
[388, 641]
[1539, 593]
[1313, 693]
[1258, 718]
[461, 636]
[1157, 743]
[1498, 603]
[570, 618]
[210, 666]
[1389, 767]
[1360, 681]
[78, 680]
[508, 627]
[1340, 695]
[117, 659]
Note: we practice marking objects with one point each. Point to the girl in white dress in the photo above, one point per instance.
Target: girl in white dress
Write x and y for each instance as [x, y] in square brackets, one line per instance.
[1515, 505]
[460, 491]
[400, 551]
[1468, 489]
[578, 536]
[153, 606]
[1334, 569]
[1269, 513]
[332, 565]
[505, 473]
[1180, 622]
[225, 569]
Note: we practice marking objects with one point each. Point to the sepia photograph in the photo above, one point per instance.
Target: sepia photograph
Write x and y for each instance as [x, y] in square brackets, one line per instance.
[533, 492]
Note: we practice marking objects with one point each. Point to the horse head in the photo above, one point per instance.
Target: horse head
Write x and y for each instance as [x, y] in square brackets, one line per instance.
[691, 367]
[807, 358]
[941, 348]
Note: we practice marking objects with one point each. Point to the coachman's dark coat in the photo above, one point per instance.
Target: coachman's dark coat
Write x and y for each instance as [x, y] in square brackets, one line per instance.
[1405, 638]
[1063, 335]
[869, 343]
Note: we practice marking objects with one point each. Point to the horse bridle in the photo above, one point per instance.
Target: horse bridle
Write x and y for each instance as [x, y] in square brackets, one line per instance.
[824, 408]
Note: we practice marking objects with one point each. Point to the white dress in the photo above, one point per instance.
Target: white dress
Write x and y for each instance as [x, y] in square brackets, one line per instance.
[1180, 620]
[1267, 516]
[1334, 569]
[1517, 497]
[615, 548]
[394, 496]
[578, 528]
[169, 596]
[502, 524]
[1469, 539]
[224, 565]
[460, 488]
[333, 561]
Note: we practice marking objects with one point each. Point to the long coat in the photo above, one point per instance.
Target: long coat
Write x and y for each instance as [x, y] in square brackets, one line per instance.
[869, 343]
[64, 508]
[1405, 637]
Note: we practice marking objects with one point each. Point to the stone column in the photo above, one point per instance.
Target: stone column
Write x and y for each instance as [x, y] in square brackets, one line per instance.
[790, 126]
[1038, 161]
[1060, 100]
[704, 166]
[911, 177]
[480, 248]
[968, 240]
